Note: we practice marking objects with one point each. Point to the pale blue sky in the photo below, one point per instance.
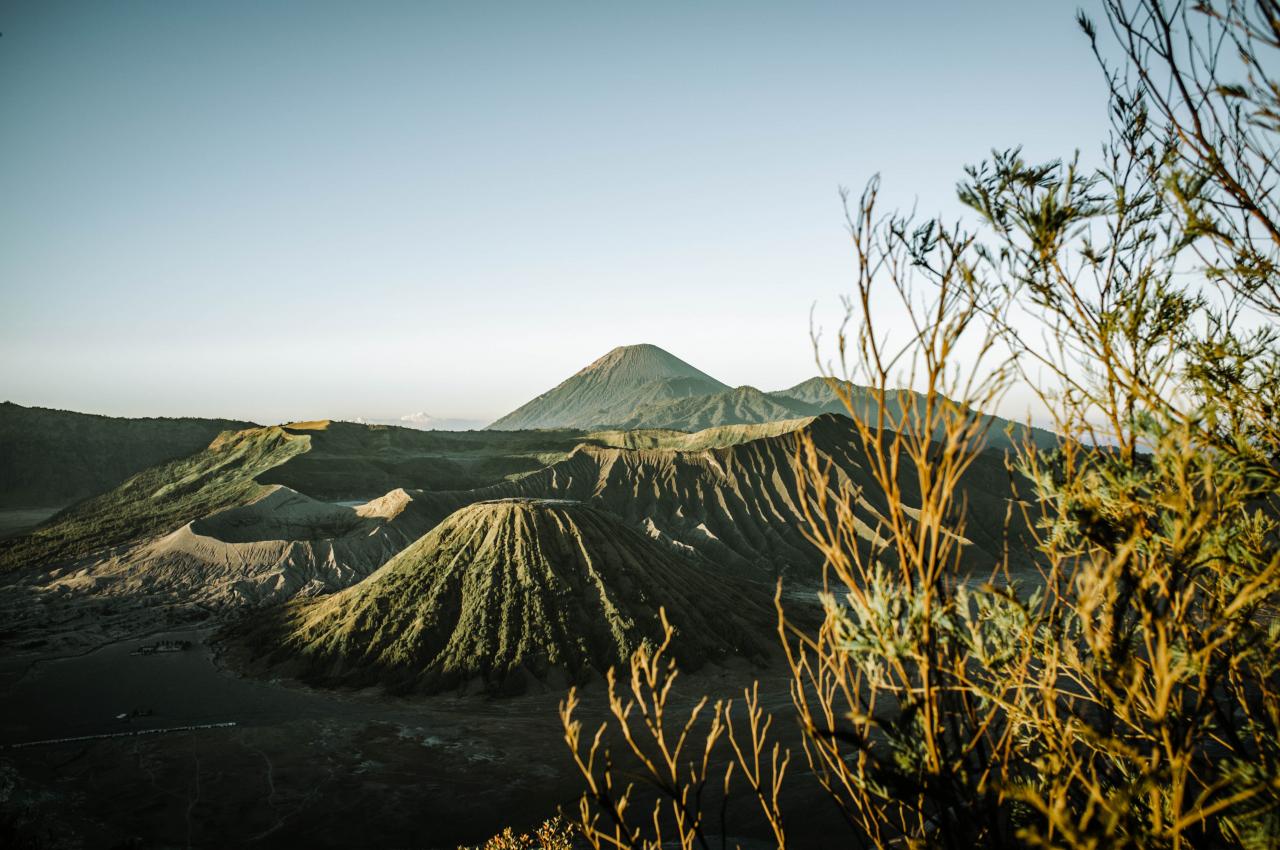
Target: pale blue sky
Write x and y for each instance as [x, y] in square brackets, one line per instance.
[292, 210]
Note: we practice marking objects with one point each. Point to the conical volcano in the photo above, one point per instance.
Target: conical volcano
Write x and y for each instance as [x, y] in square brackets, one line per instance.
[611, 389]
[509, 591]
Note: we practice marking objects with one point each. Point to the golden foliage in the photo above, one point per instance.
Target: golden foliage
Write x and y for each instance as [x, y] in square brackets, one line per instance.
[553, 834]
[1122, 687]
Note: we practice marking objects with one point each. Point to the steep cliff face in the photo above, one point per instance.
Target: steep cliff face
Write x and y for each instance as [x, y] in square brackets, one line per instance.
[738, 505]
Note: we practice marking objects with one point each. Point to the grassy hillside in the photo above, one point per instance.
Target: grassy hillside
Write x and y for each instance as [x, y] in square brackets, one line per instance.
[325, 460]
[51, 458]
[352, 461]
[159, 499]
[502, 593]
[741, 406]
[727, 493]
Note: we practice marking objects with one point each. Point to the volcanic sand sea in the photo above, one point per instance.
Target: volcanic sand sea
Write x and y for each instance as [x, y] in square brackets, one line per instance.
[82, 694]
[302, 743]
[301, 767]
[19, 520]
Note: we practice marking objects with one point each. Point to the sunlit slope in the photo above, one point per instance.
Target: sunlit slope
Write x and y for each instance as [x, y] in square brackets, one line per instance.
[159, 499]
[708, 438]
[503, 593]
[280, 545]
[329, 461]
[740, 406]
[729, 494]
[739, 505]
[608, 391]
[55, 457]
[350, 461]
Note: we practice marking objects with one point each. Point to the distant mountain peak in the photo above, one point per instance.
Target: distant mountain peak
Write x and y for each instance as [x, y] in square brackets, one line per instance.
[608, 389]
[642, 363]
[423, 421]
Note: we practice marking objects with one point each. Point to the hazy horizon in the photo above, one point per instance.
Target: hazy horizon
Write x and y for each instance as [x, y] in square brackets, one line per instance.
[288, 211]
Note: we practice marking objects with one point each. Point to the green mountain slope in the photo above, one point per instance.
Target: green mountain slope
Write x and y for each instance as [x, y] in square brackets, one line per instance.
[606, 392]
[159, 499]
[55, 457]
[740, 406]
[643, 387]
[708, 438]
[736, 505]
[324, 460]
[727, 494]
[819, 396]
[504, 593]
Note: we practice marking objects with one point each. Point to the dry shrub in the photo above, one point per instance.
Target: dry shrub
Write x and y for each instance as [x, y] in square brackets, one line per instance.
[552, 834]
[1120, 688]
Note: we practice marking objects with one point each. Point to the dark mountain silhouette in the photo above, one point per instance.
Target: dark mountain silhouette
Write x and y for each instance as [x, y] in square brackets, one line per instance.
[50, 458]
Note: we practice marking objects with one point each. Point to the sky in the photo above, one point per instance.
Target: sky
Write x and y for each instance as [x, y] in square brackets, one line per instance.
[289, 210]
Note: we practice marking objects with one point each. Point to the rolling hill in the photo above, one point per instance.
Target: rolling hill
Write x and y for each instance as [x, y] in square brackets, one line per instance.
[280, 545]
[158, 500]
[252, 518]
[505, 593]
[725, 496]
[329, 461]
[50, 458]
